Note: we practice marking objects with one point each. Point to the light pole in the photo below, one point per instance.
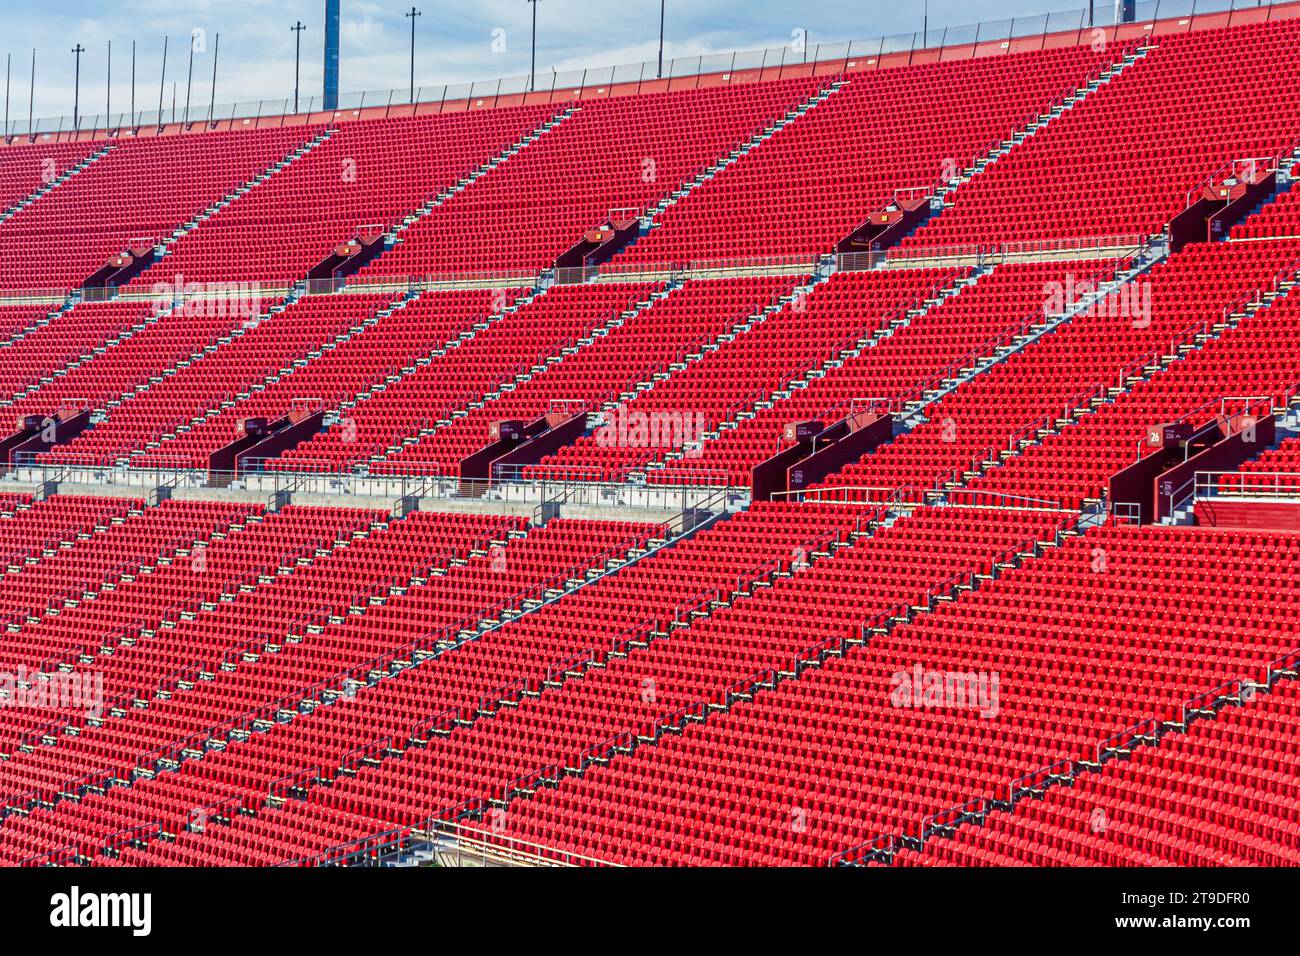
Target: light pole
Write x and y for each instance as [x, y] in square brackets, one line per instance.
[189, 82]
[212, 91]
[76, 88]
[532, 69]
[413, 14]
[162, 84]
[297, 29]
[660, 74]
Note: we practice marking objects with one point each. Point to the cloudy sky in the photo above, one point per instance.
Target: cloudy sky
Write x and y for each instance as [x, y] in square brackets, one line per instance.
[455, 42]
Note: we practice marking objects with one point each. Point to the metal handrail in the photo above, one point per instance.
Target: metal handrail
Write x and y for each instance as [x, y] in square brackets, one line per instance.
[732, 67]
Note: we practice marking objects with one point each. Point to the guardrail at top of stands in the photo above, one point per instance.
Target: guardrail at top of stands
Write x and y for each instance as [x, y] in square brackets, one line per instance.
[800, 57]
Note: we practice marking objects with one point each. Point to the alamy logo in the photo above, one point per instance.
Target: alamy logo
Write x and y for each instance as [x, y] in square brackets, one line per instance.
[1131, 300]
[74, 909]
[217, 300]
[633, 429]
[966, 690]
[82, 690]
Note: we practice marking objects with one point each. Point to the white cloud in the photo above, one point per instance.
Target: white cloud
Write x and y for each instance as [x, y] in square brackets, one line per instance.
[453, 43]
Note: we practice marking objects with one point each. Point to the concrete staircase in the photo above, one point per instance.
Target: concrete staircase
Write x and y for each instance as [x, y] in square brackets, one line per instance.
[650, 219]
[942, 196]
[745, 411]
[165, 245]
[57, 181]
[283, 372]
[395, 237]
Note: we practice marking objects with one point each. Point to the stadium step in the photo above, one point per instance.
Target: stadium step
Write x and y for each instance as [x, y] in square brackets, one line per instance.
[942, 196]
[395, 237]
[163, 248]
[525, 374]
[55, 182]
[650, 220]
[1148, 733]
[870, 338]
[1287, 172]
[280, 374]
[151, 318]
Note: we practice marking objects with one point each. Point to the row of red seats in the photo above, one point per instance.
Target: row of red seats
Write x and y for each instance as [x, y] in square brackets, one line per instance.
[446, 597]
[819, 179]
[147, 663]
[1128, 157]
[618, 153]
[369, 172]
[142, 189]
[26, 168]
[16, 320]
[336, 379]
[510, 345]
[1275, 468]
[259, 348]
[125, 537]
[1279, 218]
[941, 342]
[672, 329]
[1250, 368]
[529, 648]
[161, 340]
[68, 337]
[29, 527]
[1223, 794]
[1078, 361]
[810, 329]
[630, 693]
[1071, 651]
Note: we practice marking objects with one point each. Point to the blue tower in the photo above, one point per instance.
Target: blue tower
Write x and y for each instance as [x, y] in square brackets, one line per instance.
[331, 54]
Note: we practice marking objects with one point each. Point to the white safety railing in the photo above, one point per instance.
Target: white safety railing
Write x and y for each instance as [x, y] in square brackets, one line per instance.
[799, 57]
